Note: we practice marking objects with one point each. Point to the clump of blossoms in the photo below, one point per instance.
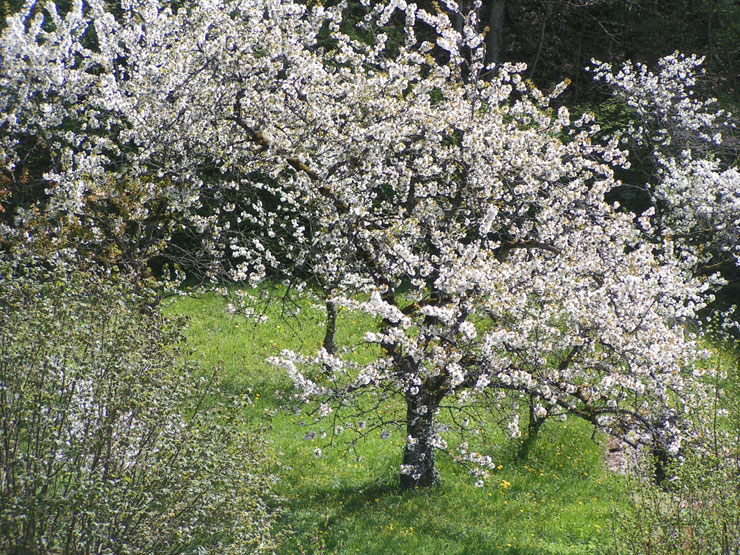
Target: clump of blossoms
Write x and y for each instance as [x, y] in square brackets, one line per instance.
[464, 214]
[694, 193]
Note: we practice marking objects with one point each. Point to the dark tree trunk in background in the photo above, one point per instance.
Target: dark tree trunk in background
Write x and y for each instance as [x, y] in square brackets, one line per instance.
[541, 42]
[495, 31]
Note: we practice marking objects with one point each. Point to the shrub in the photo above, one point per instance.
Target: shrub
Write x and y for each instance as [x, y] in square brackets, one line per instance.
[109, 442]
[697, 508]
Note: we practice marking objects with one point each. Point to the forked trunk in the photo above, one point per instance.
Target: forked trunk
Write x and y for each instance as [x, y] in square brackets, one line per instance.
[419, 469]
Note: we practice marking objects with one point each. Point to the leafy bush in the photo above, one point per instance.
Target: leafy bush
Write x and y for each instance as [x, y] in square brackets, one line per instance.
[697, 509]
[108, 442]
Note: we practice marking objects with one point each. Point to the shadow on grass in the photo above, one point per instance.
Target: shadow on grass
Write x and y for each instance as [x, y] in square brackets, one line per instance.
[376, 517]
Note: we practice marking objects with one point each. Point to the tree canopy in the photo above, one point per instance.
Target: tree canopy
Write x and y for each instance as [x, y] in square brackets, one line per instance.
[412, 180]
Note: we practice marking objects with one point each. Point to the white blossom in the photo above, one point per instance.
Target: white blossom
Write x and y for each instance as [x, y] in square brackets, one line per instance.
[445, 207]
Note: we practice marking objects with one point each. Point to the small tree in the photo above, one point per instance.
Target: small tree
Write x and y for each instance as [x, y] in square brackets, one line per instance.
[469, 213]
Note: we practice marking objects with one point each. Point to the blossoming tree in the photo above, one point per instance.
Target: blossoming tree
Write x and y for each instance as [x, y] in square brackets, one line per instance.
[694, 189]
[464, 214]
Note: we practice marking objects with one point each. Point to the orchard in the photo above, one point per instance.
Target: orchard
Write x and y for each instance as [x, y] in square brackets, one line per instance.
[390, 167]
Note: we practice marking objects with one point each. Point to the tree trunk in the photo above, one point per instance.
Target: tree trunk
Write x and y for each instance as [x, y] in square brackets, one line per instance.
[543, 28]
[660, 463]
[495, 31]
[419, 469]
[533, 428]
[331, 327]
[458, 22]
[535, 422]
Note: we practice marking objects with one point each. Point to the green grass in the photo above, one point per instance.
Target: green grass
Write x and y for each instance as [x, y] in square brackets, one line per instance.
[556, 501]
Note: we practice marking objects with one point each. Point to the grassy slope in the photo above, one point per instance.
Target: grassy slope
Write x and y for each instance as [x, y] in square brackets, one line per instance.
[557, 501]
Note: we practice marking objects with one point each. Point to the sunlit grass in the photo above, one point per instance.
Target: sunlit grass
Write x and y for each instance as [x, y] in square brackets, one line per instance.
[558, 500]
